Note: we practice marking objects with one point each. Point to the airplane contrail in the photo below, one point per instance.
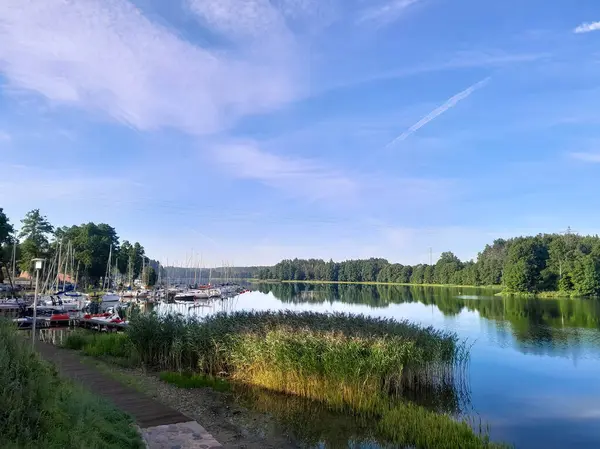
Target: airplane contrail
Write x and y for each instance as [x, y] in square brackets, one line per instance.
[439, 110]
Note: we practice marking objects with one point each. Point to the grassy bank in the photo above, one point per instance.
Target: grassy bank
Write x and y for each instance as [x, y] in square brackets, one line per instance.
[38, 409]
[543, 295]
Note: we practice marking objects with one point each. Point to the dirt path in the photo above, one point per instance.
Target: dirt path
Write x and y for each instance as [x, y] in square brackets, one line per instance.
[233, 425]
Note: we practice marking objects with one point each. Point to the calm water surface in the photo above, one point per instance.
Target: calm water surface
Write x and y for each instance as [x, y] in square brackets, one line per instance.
[535, 364]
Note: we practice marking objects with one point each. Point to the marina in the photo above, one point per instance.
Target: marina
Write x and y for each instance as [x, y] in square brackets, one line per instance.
[106, 312]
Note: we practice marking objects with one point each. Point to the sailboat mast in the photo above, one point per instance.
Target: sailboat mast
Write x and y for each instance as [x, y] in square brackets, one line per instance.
[58, 266]
[77, 275]
[66, 266]
[106, 284]
[14, 260]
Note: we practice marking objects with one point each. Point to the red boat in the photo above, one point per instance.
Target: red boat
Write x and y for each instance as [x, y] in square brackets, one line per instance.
[60, 317]
[87, 316]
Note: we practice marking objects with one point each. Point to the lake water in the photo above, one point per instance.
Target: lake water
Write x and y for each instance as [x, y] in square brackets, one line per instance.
[535, 364]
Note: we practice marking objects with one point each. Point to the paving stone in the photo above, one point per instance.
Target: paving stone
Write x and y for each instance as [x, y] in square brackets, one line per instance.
[186, 435]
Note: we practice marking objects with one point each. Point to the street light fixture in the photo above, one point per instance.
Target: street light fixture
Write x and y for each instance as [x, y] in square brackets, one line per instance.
[38, 264]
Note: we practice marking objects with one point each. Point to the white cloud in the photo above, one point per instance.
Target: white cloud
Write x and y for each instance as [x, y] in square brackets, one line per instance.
[295, 176]
[386, 12]
[450, 103]
[105, 55]
[586, 157]
[249, 18]
[314, 181]
[587, 27]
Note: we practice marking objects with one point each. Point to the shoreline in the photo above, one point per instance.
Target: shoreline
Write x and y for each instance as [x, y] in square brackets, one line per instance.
[500, 289]
[279, 281]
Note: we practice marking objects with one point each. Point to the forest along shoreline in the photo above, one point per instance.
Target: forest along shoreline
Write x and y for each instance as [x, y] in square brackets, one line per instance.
[397, 375]
[545, 265]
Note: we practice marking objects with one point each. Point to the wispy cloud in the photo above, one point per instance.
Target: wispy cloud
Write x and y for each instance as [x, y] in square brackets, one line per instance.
[453, 101]
[586, 157]
[139, 72]
[457, 61]
[268, 21]
[305, 178]
[386, 12]
[4, 136]
[250, 18]
[587, 27]
[314, 181]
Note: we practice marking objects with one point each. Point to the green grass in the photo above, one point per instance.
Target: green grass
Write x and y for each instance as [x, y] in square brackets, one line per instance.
[440, 431]
[543, 295]
[192, 380]
[115, 344]
[38, 409]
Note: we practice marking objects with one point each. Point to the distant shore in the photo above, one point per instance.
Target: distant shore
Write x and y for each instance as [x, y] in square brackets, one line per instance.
[273, 281]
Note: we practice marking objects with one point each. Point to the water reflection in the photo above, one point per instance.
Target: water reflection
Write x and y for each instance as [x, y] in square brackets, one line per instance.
[311, 423]
[534, 362]
[539, 326]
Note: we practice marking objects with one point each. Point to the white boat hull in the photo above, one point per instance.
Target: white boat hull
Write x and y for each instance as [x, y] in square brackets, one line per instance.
[111, 298]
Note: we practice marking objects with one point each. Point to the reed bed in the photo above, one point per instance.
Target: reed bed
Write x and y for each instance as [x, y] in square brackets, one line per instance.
[349, 361]
[94, 344]
[38, 409]
[366, 366]
[397, 355]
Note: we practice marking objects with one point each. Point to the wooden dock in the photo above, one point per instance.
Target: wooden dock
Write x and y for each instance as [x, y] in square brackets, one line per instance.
[146, 411]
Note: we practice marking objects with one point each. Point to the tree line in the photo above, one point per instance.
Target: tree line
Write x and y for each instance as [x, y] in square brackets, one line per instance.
[567, 262]
[90, 242]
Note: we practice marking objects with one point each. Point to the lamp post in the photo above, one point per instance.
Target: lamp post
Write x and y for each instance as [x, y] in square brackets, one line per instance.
[38, 264]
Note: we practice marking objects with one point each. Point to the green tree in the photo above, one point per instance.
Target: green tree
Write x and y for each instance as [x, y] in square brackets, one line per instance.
[36, 227]
[137, 256]
[418, 273]
[446, 267]
[586, 275]
[526, 259]
[332, 270]
[490, 262]
[429, 274]
[6, 239]
[35, 232]
[91, 246]
[123, 257]
[6, 229]
[150, 276]
[405, 274]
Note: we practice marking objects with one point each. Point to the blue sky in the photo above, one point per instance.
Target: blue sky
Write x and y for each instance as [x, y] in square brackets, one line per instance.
[252, 130]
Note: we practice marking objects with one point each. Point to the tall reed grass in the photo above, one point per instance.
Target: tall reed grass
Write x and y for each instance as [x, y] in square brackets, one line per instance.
[38, 409]
[367, 366]
[336, 346]
[97, 344]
